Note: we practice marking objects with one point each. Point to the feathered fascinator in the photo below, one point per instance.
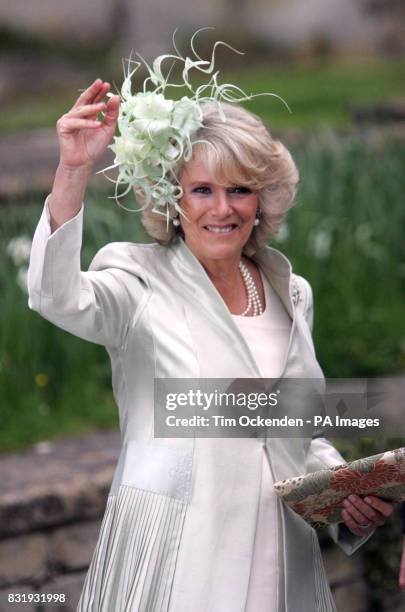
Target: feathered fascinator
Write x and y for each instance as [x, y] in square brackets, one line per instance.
[156, 132]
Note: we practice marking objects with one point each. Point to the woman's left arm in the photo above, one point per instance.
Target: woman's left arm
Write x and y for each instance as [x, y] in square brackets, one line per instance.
[361, 516]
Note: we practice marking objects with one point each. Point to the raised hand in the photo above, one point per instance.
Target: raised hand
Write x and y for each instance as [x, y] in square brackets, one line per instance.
[82, 137]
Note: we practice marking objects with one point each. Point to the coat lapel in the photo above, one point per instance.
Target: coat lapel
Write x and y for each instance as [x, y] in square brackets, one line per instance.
[201, 295]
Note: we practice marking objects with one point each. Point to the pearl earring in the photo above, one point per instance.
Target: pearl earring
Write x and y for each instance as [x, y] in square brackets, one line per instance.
[176, 221]
[258, 215]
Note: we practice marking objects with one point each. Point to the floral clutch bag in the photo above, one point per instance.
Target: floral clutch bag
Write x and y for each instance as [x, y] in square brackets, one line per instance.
[317, 496]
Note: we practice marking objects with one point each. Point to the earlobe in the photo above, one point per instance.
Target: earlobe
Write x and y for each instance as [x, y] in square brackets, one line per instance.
[258, 217]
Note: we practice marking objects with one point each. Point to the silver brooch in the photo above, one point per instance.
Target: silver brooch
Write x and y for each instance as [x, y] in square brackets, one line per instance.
[295, 292]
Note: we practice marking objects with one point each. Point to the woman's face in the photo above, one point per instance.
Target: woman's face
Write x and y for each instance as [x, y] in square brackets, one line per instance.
[220, 218]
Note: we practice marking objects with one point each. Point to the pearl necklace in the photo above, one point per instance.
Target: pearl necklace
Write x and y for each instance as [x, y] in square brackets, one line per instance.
[251, 290]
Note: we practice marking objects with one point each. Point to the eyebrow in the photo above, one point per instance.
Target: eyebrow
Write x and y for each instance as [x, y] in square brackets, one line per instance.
[209, 184]
[194, 183]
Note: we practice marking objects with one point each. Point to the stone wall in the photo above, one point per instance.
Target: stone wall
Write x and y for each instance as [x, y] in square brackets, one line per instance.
[51, 505]
[46, 562]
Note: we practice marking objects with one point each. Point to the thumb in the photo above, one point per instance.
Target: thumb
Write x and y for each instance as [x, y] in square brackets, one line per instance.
[112, 110]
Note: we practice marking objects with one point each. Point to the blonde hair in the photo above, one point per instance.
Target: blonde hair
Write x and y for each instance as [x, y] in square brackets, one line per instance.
[240, 151]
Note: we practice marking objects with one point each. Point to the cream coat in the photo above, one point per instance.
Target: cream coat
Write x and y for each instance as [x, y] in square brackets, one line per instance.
[179, 527]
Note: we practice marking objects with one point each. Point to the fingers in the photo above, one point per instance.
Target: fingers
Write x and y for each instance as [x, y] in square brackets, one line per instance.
[111, 115]
[384, 507]
[89, 104]
[94, 93]
[354, 526]
[361, 511]
[69, 124]
[88, 110]
[102, 92]
[363, 516]
[83, 113]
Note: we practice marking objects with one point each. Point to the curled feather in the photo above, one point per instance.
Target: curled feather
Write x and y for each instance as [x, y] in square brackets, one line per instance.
[156, 132]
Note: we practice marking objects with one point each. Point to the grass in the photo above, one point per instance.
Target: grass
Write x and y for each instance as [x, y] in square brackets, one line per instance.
[34, 112]
[319, 94]
[52, 384]
[322, 94]
[346, 237]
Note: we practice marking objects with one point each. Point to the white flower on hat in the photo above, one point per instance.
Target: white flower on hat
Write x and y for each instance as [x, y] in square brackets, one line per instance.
[187, 116]
[149, 114]
[156, 132]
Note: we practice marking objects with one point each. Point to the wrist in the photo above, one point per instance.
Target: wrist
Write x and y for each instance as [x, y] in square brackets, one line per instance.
[74, 172]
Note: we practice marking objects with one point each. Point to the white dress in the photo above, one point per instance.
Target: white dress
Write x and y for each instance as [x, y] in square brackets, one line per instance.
[267, 336]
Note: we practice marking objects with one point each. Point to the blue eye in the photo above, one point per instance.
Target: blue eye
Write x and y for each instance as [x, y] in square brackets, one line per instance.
[239, 189]
[202, 189]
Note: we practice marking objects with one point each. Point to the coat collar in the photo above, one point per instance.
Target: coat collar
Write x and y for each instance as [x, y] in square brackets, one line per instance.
[278, 270]
[274, 265]
[196, 282]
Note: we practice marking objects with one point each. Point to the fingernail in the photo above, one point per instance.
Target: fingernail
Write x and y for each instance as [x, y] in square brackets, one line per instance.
[352, 498]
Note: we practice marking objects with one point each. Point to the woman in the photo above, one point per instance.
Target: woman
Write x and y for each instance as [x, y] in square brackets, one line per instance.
[193, 524]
